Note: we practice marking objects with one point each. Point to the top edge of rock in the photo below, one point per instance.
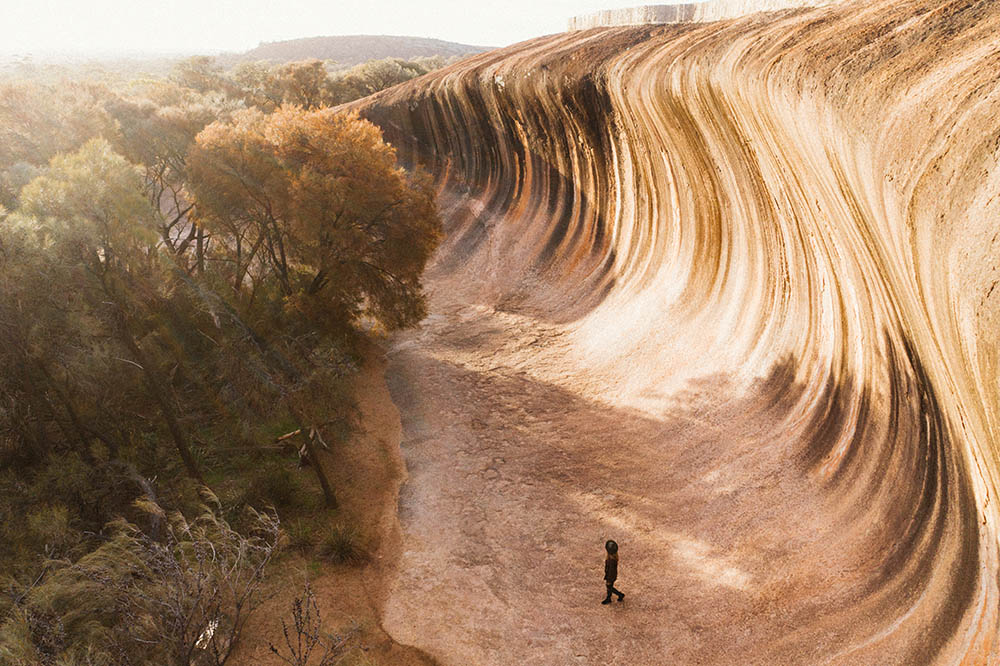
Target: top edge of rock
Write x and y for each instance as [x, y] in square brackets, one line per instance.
[691, 12]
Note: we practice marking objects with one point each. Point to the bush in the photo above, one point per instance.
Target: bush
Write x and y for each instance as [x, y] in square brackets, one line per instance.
[305, 642]
[49, 527]
[31, 636]
[147, 599]
[342, 545]
[273, 485]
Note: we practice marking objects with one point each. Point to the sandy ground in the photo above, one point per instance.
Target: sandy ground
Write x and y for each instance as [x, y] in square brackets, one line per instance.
[367, 475]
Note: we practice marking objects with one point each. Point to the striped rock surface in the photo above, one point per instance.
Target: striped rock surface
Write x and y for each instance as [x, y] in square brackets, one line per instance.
[726, 293]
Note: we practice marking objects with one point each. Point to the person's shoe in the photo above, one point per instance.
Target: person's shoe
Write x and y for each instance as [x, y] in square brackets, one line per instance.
[607, 601]
[621, 596]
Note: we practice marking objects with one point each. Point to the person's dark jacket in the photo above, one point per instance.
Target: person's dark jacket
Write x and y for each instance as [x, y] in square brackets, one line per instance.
[611, 569]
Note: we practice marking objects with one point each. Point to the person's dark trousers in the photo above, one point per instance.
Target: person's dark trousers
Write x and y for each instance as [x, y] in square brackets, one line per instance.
[612, 590]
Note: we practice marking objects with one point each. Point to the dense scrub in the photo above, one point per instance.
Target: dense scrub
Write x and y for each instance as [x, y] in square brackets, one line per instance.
[186, 266]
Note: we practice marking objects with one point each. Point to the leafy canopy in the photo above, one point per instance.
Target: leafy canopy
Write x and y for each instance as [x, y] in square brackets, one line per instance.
[314, 202]
[92, 199]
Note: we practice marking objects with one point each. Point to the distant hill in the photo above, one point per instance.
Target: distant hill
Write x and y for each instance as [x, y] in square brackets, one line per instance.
[350, 50]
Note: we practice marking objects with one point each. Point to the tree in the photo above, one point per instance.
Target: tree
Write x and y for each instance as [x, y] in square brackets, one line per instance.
[89, 210]
[381, 74]
[39, 121]
[43, 337]
[201, 73]
[370, 77]
[157, 137]
[315, 202]
[259, 85]
[318, 227]
[305, 84]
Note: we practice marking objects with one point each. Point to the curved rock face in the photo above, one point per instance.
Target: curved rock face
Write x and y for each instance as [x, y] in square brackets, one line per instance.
[726, 293]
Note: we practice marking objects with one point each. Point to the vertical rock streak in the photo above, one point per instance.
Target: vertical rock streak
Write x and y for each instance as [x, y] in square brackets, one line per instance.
[808, 200]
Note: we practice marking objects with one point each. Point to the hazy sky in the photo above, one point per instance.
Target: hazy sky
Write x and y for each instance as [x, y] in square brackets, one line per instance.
[39, 26]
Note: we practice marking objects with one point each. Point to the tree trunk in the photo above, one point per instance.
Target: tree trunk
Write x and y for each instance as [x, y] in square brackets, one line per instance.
[157, 387]
[200, 251]
[159, 392]
[82, 446]
[288, 368]
[317, 466]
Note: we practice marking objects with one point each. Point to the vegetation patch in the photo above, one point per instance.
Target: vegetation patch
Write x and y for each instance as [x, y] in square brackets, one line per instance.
[342, 544]
[185, 266]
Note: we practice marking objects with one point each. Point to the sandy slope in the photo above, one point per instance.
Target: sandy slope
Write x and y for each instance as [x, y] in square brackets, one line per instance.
[725, 293]
[367, 474]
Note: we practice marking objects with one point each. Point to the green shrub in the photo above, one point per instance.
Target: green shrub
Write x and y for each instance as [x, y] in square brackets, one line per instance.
[342, 545]
[276, 485]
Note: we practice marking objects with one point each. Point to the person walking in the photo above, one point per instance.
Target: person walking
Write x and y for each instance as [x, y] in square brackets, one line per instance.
[611, 571]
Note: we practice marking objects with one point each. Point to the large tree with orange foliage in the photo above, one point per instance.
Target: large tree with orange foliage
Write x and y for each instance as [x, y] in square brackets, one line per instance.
[313, 205]
[315, 228]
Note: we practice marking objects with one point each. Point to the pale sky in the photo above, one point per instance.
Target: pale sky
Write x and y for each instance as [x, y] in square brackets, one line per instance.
[208, 26]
